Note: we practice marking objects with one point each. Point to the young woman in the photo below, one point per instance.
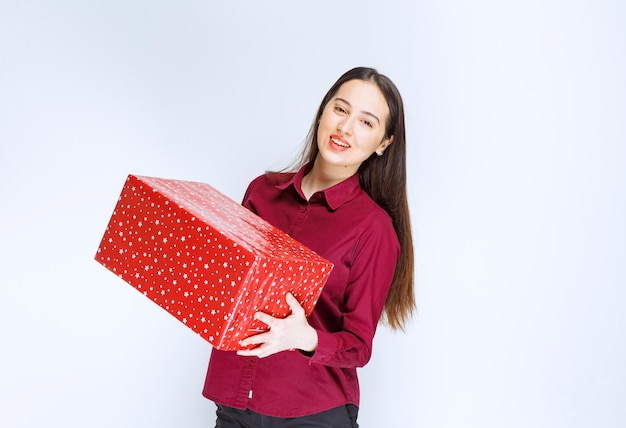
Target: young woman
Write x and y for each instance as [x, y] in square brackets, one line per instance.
[346, 200]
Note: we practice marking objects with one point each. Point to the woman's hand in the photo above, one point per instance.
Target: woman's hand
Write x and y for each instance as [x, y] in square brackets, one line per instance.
[292, 332]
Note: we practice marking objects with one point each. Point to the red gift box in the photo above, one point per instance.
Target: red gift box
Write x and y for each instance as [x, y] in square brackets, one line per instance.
[206, 259]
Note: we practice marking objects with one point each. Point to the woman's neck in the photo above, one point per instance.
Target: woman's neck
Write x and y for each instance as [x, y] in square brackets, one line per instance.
[320, 178]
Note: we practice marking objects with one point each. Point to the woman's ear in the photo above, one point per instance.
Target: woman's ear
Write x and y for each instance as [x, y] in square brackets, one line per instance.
[383, 145]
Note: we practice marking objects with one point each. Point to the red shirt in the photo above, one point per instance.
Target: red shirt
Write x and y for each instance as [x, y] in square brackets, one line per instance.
[344, 225]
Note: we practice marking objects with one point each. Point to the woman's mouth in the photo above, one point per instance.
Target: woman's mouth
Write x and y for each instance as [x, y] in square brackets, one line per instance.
[339, 142]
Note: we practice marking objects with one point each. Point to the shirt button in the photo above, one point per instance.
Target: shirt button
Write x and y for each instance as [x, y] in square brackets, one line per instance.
[250, 363]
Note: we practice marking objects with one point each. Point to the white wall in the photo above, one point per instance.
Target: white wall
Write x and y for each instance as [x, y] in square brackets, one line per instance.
[515, 114]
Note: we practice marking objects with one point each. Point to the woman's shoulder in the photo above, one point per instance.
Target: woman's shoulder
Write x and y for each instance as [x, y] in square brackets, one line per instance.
[269, 180]
[371, 209]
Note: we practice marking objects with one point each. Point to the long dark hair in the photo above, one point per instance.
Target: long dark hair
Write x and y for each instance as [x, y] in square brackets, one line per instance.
[384, 180]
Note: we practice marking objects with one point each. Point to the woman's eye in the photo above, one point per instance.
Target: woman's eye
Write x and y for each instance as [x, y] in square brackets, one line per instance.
[367, 123]
[340, 109]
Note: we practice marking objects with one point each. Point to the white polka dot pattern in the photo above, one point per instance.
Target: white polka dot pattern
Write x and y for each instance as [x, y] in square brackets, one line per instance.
[206, 259]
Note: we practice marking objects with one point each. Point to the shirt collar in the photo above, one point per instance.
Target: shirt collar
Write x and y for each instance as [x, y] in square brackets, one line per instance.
[335, 196]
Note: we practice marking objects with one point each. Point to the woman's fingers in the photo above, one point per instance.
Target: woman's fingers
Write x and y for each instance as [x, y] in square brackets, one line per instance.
[283, 334]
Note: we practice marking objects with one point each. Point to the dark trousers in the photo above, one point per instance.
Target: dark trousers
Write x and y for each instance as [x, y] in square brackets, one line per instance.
[339, 417]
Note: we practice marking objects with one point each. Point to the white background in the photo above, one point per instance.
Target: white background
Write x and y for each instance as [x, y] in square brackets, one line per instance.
[516, 119]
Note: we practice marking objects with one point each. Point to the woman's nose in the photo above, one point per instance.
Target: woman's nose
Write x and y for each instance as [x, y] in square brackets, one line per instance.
[345, 126]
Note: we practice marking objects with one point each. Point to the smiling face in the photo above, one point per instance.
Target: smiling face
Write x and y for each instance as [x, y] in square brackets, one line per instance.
[352, 127]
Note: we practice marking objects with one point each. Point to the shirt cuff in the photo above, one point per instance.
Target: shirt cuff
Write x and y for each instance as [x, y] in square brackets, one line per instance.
[326, 348]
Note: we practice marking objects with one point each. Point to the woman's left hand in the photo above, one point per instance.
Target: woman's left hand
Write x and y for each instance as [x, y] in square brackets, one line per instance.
[292, 332]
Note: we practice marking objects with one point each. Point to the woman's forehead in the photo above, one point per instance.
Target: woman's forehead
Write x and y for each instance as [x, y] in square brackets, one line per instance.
[363, 95]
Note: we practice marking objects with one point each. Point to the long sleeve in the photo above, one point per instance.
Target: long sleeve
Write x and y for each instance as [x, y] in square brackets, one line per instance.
[370, 274]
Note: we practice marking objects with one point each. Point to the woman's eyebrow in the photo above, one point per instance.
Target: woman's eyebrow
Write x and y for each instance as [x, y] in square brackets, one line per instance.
[364, 112]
